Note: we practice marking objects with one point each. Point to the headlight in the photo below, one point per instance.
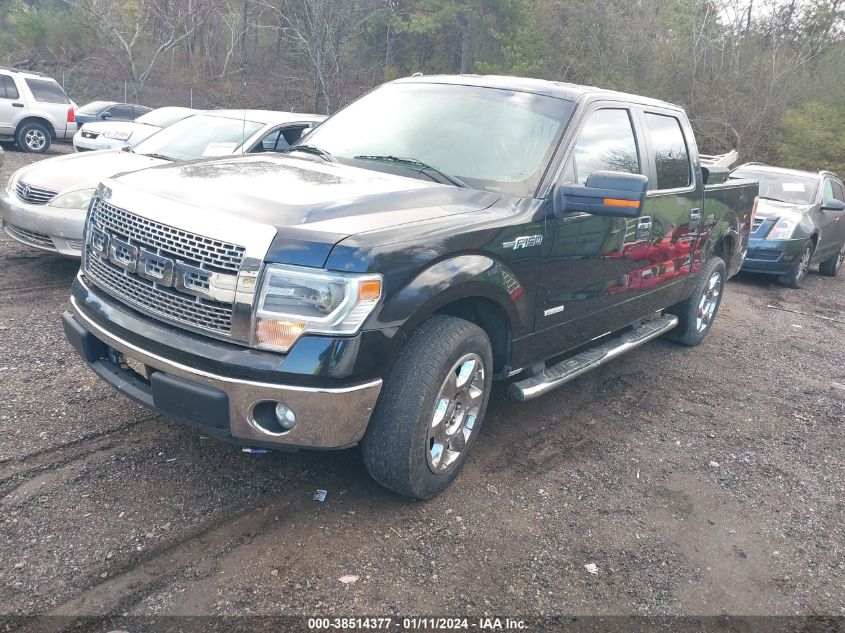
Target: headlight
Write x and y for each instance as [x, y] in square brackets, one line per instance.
[13, 180]
[782, 230]
[295, 301]
[73, 199]
[118, 135]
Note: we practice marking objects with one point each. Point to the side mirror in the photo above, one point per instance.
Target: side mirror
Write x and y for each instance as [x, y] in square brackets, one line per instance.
[608, 193]
[106, 115]
[834, 205]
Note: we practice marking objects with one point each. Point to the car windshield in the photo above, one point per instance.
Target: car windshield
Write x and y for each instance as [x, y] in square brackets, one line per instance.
[95, 107]
[492, 139]
[197, 136]
[164, 117]
[782, 186]
[47, 91]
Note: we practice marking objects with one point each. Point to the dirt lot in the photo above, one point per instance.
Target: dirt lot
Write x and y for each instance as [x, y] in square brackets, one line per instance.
[698, 481]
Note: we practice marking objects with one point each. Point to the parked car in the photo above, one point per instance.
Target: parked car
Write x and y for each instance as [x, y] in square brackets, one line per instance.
[800, 222]
[369, 286]
[109, 111]
[112, 135]
[44, 204]
[34, 110]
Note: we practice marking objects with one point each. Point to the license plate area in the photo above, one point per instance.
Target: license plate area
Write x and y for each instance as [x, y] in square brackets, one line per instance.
[136, 368]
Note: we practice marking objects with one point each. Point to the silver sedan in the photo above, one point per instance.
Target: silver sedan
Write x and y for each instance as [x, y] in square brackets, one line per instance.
[44, 204]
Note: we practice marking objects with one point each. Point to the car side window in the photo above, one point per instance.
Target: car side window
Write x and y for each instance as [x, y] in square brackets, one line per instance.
[671, 156]
[268, 143]
[827, 191]
[838, 191]
[121, 113]
[8, 89]
[292, 134]
[606, 143]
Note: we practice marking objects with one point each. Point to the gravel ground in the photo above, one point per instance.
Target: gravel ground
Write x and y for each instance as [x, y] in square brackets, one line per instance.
[698, 481]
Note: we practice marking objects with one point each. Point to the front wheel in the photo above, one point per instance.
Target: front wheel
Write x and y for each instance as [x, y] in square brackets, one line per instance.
[831, 267]
[34, 138]
[798, 273]
[430, 409]
[696, 313]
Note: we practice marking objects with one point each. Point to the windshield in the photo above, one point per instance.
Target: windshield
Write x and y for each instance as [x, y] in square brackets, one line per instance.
[492, 139]
[783, 187]
[164, 117]
[95, 107]
[197, 136]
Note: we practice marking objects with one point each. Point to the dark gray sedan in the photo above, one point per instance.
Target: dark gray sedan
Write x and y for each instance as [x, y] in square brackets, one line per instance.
[800, 222]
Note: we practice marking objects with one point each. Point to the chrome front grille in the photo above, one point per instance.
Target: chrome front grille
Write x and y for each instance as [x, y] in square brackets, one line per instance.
[34, 195]
[30, 237]
[168, 273]
[194, 249]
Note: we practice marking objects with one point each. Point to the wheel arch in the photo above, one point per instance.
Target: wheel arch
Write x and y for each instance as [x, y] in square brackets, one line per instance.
[36, 119]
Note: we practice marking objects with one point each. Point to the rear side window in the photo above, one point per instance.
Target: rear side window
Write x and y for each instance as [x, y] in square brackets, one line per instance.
[46, 91]
[838, 191]
[8, 89]
[670, 151]
[606, 143]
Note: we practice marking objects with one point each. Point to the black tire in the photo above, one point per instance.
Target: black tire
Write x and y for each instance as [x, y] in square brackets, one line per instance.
[831, 267]
[398, 448]
[33, 138]
[798, 273]
[693, 326]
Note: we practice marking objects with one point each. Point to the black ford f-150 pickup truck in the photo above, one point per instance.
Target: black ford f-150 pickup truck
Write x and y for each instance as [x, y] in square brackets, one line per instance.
[435, 235]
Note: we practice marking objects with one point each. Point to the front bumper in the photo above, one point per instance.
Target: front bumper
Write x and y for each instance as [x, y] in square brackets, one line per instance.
[218, 402]
[775, 257]
[80, 143]
[43, 227]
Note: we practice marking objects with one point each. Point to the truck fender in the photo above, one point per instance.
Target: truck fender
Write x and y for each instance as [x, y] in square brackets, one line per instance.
[454, 279]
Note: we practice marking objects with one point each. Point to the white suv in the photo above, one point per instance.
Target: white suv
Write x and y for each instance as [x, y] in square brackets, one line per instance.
[34, 110]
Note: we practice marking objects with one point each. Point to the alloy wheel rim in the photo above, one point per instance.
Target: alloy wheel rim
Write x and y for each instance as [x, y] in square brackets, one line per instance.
[35, 139]
[804, 264]
[455, 413]
[709, 302]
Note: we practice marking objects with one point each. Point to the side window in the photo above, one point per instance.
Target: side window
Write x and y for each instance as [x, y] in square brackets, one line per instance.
[290, 136]
[838, 191]
[827, 191]
[8, 89]
[121, 113]
[670, 151]
[268, 143]
[606, 143]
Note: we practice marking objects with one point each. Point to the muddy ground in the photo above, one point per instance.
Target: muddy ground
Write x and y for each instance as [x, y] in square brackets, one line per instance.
[697, 481]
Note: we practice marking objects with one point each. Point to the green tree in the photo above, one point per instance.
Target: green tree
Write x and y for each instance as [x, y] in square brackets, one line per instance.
[813, 137]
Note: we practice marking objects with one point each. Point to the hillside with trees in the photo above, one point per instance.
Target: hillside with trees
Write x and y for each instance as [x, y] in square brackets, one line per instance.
[764, 76]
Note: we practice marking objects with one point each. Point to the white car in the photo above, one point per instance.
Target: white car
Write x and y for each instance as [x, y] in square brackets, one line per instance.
[44, 204]
[120, 134]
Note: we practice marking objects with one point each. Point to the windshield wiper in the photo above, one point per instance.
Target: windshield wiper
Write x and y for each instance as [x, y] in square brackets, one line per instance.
[160, 156]
[312, 149]
[420, 167]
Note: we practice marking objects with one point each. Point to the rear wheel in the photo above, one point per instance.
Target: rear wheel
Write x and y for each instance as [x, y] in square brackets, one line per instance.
[796, 276]
[696, 314]
[831, 267]
[33, 137]
[430, 410]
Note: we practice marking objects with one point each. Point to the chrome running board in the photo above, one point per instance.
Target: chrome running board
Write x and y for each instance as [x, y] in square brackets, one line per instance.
[571, 368]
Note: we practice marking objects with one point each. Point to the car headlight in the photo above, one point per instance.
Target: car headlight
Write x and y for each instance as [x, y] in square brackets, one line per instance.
[13, 180]
[295, 301]
[118, 135]
[783, 229]
[73, 199]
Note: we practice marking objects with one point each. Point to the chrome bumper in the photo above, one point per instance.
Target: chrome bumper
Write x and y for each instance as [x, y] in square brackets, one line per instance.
[325, 417]
[43, 227]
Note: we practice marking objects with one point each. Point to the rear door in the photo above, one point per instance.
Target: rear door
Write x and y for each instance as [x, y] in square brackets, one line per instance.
[592, 273]
[673, 202]
[11, 106]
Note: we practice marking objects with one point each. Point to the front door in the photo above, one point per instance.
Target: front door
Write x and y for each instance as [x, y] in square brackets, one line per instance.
[831, 223]
[594, 266]
[9, 111]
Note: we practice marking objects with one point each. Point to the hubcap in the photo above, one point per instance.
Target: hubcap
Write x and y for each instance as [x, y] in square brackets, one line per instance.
[35, 139]
[455, 413]
[709, 302]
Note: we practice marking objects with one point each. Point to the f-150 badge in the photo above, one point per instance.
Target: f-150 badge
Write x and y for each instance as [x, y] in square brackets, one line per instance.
[523, 241]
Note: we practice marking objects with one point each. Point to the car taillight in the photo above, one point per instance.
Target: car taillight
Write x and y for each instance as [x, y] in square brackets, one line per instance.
[71, 116]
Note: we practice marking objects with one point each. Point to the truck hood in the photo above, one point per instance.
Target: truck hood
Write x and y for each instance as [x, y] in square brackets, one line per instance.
[301, 196]
[84, 170]
[767, 209]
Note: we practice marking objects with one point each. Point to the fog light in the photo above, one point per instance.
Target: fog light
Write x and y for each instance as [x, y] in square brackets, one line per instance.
[285, 417]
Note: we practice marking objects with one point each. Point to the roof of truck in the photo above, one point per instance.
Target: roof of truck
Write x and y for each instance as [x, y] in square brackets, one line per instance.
[558, 89]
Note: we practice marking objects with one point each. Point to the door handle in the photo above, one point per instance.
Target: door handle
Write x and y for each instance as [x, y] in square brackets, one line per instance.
[17, 105]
